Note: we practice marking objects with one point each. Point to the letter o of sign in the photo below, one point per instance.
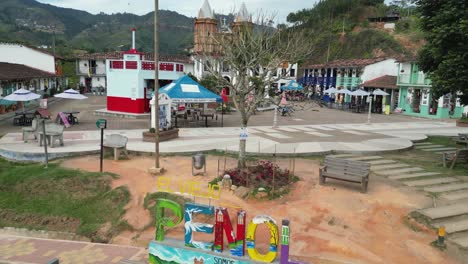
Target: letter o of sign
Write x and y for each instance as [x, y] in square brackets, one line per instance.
[274, 238]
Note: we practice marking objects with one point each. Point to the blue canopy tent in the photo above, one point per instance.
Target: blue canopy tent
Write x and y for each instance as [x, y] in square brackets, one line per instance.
[186, 90]
[292, 86]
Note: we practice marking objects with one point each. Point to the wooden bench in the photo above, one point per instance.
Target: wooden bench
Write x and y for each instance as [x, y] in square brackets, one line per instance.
[462, 139]
[345, 170]
[459, 155]
[118, 143]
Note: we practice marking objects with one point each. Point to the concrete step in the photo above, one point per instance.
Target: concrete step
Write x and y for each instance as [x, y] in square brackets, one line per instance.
[445, 211]
[440, 149]
[452, 196]
[365, 158]
[413, 176]
[447, 187]
[454, 226]
[461, 241]
[343, 155]
[389, 166]
[398, 171]
[422, 143]
[429, 146]
[442, 152]
[429, 182]
[380, 162]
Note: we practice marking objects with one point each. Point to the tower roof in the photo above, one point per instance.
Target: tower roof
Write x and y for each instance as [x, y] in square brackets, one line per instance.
[206, 11]
[243, 15]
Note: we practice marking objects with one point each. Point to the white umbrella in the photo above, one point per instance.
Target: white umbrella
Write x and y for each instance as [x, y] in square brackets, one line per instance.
[360, 92]
[379, 92]
[331, 90]
[71, 94]
[344, 91]
[22, 95]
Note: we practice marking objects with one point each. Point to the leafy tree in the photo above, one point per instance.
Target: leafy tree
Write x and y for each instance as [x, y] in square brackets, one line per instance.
[445, 55]
[253, 53]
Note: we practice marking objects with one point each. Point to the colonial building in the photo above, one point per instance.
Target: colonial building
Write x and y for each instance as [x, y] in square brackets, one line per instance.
[130, 78]
[416, 98]
[22, 66]
[91, 68]
[207, 29]
[348, 74]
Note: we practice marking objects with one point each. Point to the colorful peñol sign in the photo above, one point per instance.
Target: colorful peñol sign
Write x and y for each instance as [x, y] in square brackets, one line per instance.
[198, 252]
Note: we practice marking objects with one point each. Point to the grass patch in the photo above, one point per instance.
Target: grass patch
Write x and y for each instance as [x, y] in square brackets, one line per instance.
[60, 199]
[441, 140]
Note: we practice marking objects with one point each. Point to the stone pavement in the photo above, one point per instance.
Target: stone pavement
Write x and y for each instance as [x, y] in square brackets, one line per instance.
[25, 250]
[299, 139]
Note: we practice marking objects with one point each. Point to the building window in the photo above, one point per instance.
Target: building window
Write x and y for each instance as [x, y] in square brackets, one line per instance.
[292, 72]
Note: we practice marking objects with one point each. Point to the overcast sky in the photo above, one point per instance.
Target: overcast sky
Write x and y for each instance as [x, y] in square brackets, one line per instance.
[280, 8]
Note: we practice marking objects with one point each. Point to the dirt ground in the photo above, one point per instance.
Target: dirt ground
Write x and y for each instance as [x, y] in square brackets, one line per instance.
[330, 224]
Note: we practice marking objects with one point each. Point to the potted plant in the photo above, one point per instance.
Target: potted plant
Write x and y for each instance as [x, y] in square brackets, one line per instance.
[164, 135]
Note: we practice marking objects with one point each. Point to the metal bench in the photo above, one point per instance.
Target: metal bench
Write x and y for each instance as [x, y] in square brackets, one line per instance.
[345, 170]
[459, 155]
[118, 143]
[462, 139]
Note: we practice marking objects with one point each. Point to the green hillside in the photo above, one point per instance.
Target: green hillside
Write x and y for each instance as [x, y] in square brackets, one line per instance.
[341, 30]
[34, 23]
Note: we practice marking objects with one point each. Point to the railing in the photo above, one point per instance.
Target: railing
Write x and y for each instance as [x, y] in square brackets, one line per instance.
[323, 81]
[348, 81]
[146, 65]
[413, 79]
[92, 70]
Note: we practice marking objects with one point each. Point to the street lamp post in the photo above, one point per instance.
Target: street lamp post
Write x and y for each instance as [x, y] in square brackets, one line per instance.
[156, 81]
[370, 108]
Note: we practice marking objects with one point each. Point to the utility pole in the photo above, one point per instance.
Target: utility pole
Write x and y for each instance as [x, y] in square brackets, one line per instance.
[156, 82]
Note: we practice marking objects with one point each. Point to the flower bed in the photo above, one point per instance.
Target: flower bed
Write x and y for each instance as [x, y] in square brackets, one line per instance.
[265, 174]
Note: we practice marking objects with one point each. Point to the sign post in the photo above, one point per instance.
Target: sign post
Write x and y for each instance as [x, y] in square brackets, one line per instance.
[102, 124]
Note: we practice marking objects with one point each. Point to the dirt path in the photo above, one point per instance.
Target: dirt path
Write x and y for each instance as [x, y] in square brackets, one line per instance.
[329, 224]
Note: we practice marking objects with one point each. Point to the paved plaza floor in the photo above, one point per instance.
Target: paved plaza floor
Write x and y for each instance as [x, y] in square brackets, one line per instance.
[310, 130]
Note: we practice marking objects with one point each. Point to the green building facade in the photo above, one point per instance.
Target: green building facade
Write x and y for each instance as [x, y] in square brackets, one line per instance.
[415, 97]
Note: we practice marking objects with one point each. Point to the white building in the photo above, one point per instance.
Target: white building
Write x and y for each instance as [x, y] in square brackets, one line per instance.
[92, 68]
[30, 68]
[130, 79]
[28, 56]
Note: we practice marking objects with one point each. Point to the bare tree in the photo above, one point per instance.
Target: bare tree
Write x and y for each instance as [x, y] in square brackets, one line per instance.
[253, 52]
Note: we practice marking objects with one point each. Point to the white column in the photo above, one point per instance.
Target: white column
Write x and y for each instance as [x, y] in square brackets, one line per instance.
[153, 114]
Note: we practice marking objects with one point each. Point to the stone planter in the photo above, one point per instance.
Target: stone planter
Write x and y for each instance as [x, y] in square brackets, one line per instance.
[462, 123]
[163, 135]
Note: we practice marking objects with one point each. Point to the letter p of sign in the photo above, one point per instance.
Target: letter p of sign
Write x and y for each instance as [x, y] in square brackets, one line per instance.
[168, 220]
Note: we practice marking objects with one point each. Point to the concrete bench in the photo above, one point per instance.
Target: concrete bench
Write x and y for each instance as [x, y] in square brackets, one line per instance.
[27, 131]
[345, 170]
[53, 133]
[453, 157]
[118, 143]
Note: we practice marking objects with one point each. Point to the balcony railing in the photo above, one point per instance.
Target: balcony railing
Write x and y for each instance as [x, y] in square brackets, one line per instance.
[348, 82]
[92, 71]
[413, 79]
[146, 65]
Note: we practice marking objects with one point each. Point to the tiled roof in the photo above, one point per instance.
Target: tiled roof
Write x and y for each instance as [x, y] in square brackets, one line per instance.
[386, 81]
[343, 63]
[118, 55]
[11, 71]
